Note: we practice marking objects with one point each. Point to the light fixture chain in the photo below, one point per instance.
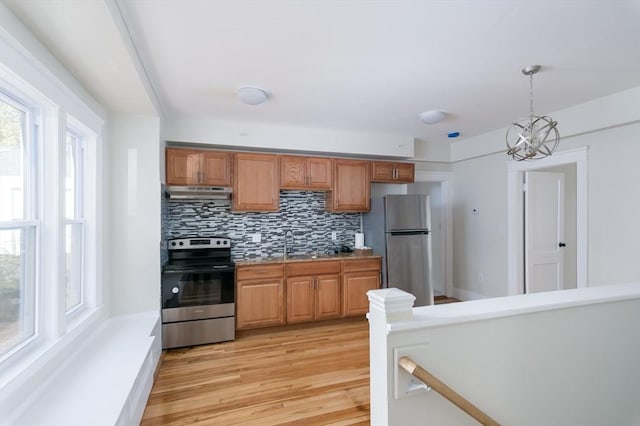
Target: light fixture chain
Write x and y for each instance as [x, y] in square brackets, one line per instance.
[531, 96]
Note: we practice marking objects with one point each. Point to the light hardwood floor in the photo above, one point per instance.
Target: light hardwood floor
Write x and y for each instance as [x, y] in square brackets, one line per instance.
[307, 374]
[303, 375]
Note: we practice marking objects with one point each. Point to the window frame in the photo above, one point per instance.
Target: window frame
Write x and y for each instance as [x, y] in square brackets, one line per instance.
[80, 160]
[30, 221]
[45, 128]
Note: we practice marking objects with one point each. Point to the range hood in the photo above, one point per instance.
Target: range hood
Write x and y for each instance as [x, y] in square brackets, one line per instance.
[177, 193]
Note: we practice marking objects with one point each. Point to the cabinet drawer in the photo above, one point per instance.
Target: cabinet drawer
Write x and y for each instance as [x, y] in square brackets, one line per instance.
[362, 265]
[258, 272]
[313, 268]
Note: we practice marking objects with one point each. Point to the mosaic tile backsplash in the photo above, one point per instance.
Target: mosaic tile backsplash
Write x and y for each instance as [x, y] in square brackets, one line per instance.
[301, 212]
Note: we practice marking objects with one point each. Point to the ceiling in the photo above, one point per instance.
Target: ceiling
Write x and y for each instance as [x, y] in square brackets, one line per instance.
[369, 66]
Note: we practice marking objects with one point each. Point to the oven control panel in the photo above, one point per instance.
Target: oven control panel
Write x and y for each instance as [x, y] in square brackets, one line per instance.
[198, 243]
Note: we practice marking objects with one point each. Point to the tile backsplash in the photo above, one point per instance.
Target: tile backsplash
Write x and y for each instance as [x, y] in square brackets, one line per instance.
[301, 212]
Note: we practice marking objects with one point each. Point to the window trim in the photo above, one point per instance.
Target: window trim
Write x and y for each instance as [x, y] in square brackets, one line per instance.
[43, 206]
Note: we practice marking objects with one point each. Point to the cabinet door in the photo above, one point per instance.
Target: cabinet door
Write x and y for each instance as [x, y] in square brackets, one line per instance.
[260, 303]
[382, 171]
[183, 166]
[256, 182]
[292, 172]
[355, 286]
[328, 297]
[405, 172]
[351, 187]
[216, 168]
[319, 173]
[300, 299]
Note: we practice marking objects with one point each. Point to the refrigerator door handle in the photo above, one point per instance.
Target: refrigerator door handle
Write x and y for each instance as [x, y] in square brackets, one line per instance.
[410, 232]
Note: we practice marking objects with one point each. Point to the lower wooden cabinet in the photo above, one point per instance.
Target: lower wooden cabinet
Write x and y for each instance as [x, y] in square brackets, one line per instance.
[259, 296]
[359, 276]
[296, 292]
[313, 291]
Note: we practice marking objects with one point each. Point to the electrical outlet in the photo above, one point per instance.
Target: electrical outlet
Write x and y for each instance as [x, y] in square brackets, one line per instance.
[256, 238]
[334, 236]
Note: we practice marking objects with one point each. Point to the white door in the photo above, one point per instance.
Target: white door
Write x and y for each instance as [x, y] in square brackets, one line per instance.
[544, 231]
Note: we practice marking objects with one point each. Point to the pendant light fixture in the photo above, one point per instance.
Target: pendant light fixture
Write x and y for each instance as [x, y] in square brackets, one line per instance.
[535, 137]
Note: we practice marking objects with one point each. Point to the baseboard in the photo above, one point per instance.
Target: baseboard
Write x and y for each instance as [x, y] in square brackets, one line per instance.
[466, 295]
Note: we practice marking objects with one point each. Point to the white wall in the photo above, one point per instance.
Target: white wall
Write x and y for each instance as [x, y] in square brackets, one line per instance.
[563, 358]
[480, 238]
[480, 181]
[239, 135]
[134, 229]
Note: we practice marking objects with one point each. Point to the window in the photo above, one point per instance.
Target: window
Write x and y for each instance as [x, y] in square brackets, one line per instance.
[47, 222]
[18, 227]
[75, 222]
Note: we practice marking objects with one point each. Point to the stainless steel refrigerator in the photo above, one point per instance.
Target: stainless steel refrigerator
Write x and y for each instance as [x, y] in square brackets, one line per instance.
[397, 227]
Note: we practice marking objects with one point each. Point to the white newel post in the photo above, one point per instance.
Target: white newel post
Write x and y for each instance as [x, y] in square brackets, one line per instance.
[385, 306]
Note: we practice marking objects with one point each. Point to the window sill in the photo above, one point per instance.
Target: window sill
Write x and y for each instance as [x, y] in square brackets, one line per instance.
[30, 365]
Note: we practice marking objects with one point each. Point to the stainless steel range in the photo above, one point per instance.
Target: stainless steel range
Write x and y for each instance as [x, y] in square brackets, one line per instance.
[198, 292]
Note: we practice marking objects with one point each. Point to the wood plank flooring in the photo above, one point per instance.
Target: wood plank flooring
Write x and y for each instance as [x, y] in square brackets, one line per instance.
[308, 374]
[305, 375]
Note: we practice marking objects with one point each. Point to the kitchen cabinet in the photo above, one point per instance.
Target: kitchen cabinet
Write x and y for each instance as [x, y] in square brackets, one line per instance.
[388, 172]
[259, 296]
[351, 186]
[358, 277]
[195, 167]
[313, 291]
[299, 172]
[256, 182]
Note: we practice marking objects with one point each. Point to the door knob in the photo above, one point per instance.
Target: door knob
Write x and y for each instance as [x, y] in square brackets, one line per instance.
[562, 245]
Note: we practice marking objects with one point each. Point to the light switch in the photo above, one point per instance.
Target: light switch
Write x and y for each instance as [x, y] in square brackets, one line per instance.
[256, 238]
[334, 236]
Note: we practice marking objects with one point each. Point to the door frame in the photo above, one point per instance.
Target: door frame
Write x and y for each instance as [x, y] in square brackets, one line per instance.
[515, 213]
[444, 178]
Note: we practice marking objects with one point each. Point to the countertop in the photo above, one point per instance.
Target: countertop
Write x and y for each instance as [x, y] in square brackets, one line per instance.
[304, 258]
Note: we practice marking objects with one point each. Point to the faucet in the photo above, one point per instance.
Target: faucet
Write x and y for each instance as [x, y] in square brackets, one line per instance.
[287, 234]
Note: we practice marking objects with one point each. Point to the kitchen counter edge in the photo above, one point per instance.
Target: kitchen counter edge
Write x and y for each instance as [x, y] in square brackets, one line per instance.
[305, 258]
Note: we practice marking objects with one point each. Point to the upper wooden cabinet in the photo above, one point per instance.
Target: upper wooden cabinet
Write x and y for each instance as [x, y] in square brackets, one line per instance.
[383, 171]
[298, 172]
[198, 167]
[255, 182]
[351, 186]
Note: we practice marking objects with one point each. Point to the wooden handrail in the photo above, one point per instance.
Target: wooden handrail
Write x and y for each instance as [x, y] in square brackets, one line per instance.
[434, 383]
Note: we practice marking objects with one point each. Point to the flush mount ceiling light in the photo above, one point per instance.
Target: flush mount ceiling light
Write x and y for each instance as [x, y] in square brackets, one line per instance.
[431, 117]
[535, 137]
[251, 95]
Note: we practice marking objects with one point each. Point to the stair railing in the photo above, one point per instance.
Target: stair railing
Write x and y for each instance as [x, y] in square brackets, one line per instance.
[437, 385]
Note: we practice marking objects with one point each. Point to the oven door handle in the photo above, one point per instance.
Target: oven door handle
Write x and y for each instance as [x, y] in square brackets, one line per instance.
[210, 269]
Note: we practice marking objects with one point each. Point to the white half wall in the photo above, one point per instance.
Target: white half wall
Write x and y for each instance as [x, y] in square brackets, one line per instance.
[134, 228]
[563, 358]
[241, 135]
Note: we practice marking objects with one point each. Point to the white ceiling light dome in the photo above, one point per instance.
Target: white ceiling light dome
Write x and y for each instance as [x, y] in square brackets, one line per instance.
[251, 95]
[431, 117]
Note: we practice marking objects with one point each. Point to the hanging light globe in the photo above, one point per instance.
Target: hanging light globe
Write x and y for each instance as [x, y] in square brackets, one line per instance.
[534, 137]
